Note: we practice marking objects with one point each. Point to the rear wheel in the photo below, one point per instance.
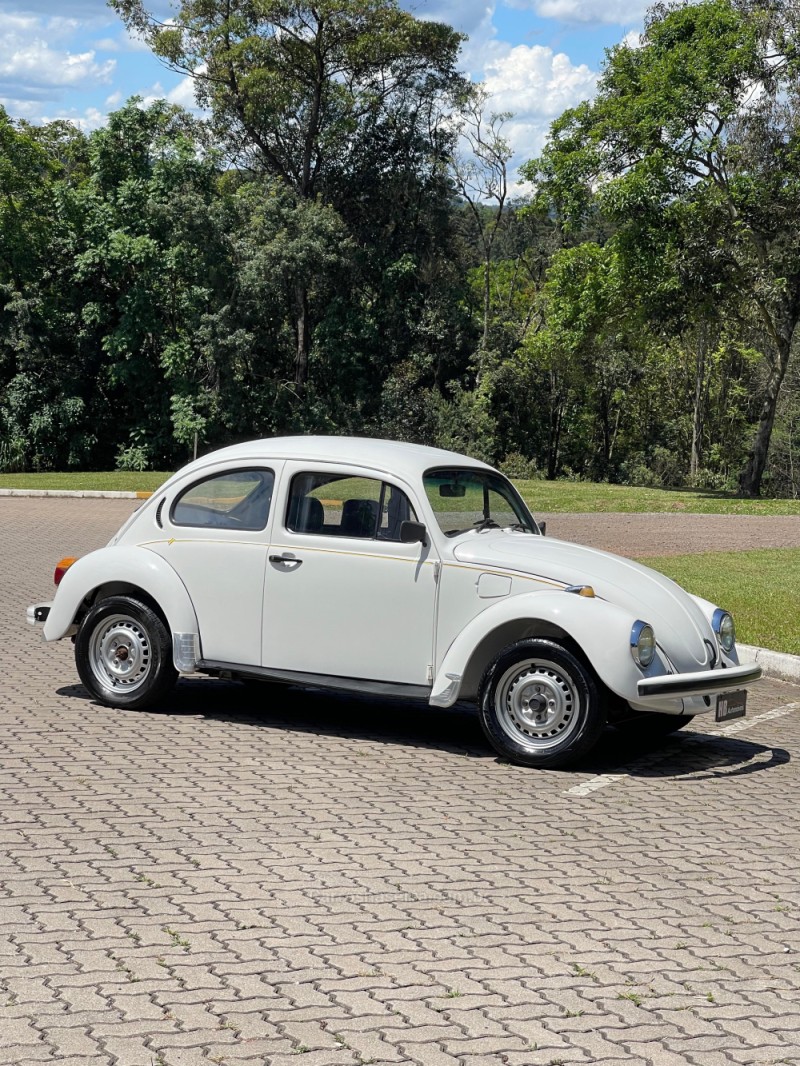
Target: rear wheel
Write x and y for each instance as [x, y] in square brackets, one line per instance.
[123, 653]
[539, 705]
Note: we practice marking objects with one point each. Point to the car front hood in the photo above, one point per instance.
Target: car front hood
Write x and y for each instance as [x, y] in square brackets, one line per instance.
[680, 625]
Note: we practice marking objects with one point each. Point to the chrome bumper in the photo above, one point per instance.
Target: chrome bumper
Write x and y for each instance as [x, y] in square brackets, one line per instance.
[37, 613]
[704, 682]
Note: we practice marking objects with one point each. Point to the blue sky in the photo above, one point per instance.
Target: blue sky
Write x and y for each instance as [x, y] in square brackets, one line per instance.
[536, 57]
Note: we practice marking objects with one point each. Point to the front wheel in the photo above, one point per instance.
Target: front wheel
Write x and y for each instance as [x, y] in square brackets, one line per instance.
[539, 705]
[123, 653]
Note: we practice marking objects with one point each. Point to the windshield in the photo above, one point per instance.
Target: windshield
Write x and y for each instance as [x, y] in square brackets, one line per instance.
[475, 499]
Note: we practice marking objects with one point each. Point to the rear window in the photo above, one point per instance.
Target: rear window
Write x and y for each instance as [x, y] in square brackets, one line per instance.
[238, 499]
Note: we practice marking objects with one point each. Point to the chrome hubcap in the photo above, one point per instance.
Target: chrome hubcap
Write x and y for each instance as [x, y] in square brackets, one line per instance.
[537, 704]
[120, 653]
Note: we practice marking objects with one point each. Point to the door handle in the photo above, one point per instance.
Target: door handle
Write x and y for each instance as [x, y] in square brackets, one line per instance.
[287, 557]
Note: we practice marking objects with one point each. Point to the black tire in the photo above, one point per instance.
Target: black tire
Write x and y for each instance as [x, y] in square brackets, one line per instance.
[650, 725]
[123, 653]
[539, 705]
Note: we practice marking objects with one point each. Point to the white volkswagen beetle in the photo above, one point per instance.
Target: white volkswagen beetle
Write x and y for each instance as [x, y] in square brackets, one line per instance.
[379, 567]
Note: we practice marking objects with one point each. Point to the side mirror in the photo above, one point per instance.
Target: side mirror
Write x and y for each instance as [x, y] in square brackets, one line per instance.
[413, 533]
[542, 527]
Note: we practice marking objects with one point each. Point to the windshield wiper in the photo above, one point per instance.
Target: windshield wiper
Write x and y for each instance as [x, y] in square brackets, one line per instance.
[519, 528]
[485, 523]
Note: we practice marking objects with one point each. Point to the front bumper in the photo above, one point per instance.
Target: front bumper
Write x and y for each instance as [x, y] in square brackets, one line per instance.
[701, 683]
[37, 613]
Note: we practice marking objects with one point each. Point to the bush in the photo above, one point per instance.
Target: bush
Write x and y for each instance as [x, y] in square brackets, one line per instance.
[517, 466]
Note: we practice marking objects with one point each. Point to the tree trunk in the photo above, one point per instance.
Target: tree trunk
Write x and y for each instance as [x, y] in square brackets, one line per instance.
[554, 436]
[487, 298]
[303, 337]
[753, 472]
[696, 461]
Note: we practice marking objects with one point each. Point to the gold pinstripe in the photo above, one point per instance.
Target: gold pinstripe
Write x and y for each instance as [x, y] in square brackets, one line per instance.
[366, 555]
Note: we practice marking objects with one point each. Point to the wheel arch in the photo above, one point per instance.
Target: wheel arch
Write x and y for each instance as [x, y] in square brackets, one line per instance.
[127, 571]
[594, 630]
[493, 642]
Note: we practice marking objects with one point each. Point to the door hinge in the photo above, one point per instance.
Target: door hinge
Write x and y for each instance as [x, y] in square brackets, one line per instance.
[437, 569]
[430, 675]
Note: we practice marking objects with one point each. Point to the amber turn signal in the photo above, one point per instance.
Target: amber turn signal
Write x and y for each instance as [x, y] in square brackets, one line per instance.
[61, 568]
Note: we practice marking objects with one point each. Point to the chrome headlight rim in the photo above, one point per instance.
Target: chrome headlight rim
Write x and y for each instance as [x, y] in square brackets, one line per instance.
[725, 630]
[643, 644]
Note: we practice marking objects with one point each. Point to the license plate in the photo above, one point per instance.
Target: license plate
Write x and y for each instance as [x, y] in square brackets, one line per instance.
[731, 705]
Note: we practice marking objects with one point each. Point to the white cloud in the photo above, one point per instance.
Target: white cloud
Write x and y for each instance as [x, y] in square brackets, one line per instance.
[35, 65]
[89, 119]
[463, 15]
[536, 84]
[632, 39]
[114, 99]
[183, 94]
[27, 109]
[95, 11]
[152, 93]
[611, 12]
[28, 64]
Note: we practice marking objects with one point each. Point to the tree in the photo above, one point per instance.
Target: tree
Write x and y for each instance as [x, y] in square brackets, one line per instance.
[696, 132]
[481, 177]
[43, 411]
[293, 84]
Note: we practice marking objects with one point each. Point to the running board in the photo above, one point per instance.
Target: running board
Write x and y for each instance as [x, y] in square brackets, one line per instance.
[361, 685]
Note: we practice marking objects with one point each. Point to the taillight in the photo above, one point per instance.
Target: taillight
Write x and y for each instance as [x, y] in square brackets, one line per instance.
[61, 568]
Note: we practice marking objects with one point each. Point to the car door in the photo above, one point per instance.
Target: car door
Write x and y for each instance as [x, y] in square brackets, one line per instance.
[344, 597]
[216, 538]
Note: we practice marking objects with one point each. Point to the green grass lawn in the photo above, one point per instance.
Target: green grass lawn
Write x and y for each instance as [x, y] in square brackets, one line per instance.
[760, 588]
[586, 497]
[578, 497]
[110, 480]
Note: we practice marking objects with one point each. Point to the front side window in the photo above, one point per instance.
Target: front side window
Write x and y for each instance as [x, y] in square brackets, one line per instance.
[463, 500]
[341, 506]
[237, 499]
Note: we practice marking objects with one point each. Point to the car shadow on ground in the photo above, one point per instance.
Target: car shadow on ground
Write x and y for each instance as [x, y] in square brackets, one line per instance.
[455, 729]
[697, 755]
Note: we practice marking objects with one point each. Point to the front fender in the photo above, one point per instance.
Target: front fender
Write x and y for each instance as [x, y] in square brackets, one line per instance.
[126, 565]
[601, 629]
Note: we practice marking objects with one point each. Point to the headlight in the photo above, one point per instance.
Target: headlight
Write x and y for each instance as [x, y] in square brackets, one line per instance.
[643, 644]
[723, 626]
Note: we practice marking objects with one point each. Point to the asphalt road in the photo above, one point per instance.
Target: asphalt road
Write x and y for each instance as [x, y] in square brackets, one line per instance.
[276, 877]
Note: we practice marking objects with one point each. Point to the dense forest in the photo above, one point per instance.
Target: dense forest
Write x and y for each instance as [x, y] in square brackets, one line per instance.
[334, 248]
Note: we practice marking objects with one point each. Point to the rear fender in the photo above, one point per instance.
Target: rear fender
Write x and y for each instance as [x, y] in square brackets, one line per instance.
[136, 568]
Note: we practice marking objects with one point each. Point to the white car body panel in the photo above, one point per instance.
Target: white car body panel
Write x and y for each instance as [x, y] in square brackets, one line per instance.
[592, 623]
[224, 579]
[646, 594]
[343, 626]
[115, 565]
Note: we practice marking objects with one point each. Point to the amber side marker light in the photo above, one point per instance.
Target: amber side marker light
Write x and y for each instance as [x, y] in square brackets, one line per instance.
[62, 566]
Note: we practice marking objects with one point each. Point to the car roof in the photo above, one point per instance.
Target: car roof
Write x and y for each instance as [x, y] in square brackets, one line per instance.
[407, 461]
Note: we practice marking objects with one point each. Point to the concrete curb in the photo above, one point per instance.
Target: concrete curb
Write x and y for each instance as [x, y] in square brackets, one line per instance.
[774, 663]
[94, 494]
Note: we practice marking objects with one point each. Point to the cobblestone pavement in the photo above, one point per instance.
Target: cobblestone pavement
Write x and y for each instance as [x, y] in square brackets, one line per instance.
[267, 876]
